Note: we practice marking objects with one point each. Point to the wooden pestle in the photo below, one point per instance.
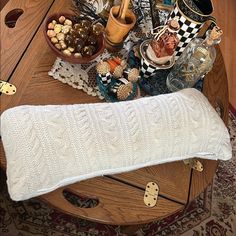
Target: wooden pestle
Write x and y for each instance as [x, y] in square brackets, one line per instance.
[122, 12]
[121, 9]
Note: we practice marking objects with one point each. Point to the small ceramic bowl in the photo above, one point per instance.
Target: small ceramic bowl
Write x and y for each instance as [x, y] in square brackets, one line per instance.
[72, 58]
[143, 51]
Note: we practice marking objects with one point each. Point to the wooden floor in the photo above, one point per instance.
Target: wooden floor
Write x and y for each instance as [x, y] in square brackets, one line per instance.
[225, 12]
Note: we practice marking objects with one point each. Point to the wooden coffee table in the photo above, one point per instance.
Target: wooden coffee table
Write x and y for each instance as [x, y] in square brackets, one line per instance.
[25, 62]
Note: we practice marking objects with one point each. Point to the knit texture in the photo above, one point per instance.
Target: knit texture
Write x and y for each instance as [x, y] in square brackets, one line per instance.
[51, 146]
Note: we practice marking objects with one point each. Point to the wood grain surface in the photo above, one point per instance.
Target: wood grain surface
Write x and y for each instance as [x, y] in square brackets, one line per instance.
[200, 180]
[216, 90]
[15, 40]
[3, 162]
[216, 86]
[32, 78]
[225, 13]
[172, 184]
[119, 203]
[3, 3]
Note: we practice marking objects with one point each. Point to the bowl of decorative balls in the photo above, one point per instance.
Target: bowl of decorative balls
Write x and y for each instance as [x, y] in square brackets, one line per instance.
[76, 40]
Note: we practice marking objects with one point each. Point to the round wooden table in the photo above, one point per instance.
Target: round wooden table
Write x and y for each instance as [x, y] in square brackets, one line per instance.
[120, 196]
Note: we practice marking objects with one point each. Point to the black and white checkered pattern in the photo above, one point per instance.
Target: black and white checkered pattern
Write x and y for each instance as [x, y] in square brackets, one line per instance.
[147, 69]
[188, 30]
[105, 79]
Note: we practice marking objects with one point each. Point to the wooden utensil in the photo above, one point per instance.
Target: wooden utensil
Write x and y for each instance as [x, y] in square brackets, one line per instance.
[122, 12]
[120, 9]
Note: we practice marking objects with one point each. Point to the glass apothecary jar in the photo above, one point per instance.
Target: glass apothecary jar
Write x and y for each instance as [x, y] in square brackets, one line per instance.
[195, 62]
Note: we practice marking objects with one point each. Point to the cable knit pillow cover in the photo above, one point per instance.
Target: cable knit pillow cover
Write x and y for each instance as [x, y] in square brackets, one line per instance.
[51, 146]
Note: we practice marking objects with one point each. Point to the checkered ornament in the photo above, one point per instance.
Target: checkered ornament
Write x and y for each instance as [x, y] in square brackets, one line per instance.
[105, 79]
[188, 30]
[147, 69]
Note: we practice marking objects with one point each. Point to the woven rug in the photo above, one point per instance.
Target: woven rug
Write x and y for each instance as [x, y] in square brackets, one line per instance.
[213, 213]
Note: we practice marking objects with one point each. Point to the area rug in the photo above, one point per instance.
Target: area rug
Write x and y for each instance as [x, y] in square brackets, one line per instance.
[213, 213]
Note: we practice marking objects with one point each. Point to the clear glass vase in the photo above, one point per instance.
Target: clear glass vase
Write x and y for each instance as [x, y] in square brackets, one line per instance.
[195, 62]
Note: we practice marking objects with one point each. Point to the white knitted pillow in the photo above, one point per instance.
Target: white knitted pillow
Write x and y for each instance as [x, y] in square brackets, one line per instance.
[51, 146]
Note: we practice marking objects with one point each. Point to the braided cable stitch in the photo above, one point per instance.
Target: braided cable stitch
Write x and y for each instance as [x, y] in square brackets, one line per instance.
[86, 140]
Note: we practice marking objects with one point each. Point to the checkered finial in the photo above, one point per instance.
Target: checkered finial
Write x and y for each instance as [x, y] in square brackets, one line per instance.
[105, 79]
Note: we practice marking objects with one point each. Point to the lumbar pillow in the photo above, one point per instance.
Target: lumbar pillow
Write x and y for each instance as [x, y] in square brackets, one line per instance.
[51, 146]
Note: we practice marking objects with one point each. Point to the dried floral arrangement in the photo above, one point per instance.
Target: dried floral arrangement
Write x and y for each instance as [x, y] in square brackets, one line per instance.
[99, 9]
[94, 9]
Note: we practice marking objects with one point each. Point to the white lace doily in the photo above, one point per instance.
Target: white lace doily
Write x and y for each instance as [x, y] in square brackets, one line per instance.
[83, 76]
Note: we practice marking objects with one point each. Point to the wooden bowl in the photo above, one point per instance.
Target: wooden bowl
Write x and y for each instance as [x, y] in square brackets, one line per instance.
[72, 58]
